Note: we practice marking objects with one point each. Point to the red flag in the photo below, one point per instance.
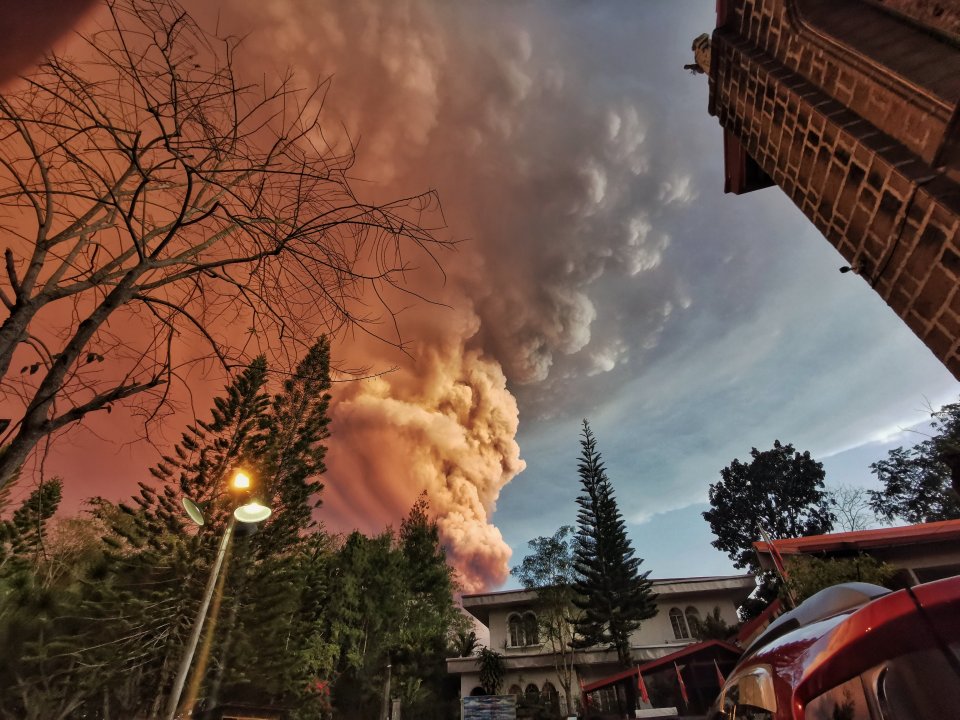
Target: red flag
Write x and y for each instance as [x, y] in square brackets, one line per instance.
[683, 688]
[720, 678]
[642, 687]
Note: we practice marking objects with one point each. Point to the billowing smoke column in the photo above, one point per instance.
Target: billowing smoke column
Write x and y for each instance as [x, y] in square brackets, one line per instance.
[546, 178]
[445, 425]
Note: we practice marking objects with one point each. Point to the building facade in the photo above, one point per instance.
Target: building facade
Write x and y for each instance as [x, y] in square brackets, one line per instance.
[851, 108]
[512, 619]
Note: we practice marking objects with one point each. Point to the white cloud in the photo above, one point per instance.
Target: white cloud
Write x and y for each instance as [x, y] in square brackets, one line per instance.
[678, 190]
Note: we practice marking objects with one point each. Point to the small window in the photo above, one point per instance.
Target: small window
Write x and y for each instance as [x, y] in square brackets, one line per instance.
[692, 616]
[524, 630]
[531, 630]
[516, 631]
[679, 625]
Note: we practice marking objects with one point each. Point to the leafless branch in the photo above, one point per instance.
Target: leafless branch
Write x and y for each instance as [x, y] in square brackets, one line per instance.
[144, 181]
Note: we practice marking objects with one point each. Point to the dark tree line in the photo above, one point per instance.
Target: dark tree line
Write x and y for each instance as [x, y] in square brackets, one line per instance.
[95, 611]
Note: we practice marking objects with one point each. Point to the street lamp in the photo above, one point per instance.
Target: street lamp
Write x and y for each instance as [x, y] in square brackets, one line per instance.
[249, 512]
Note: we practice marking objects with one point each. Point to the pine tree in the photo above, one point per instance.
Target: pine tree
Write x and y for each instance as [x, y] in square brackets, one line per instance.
[142, 599]
[612, 593]
[260, 655]
[291, 445]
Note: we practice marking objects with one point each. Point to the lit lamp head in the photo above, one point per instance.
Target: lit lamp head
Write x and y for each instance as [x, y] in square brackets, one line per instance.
[240, 481]
[252, 512]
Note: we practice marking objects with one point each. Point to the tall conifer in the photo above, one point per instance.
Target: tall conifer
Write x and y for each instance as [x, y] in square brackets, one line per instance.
[612, 593]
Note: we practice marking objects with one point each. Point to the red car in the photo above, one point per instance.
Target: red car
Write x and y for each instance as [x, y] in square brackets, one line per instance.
[854, 652]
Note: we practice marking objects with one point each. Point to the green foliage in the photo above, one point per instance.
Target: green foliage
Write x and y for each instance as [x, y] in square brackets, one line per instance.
[920, 483]
[22, 537]
[779, 489]
[492, 670]
[94, 624]
[463, 643]
[550, 570]
[393, 604]
[712, 627]
[767, 590]
[809, 575]
[40, 586]
[612, 593]
[550, 564]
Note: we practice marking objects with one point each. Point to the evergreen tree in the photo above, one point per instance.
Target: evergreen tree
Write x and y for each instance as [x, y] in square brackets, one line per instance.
[261, 647]
[144, 598]
[291, 445]
[612, 593]
[22, 536]
[35, 589]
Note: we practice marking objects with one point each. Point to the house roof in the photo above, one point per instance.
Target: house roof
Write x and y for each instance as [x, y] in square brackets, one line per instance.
[684, 652]
[935, 532]
[480, 604]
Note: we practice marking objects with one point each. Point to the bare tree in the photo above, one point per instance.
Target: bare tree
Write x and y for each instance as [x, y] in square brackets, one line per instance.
[851, 505]
[151, 202]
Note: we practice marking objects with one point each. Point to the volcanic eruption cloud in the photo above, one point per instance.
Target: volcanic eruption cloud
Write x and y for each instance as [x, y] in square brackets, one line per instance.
[545, 176]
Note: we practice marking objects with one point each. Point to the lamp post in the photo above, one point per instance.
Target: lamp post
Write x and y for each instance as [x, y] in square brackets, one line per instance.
[250, 512]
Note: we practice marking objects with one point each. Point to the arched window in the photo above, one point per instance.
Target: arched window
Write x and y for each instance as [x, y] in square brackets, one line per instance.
[680, 631]
[524, 630]
[548, 694]
[693, 619]
[477, 691]
[533, 692]
[531, 630]
[516, 631]
[515, 690]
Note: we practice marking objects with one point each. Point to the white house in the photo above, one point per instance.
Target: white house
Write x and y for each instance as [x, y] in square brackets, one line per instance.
[511, 617]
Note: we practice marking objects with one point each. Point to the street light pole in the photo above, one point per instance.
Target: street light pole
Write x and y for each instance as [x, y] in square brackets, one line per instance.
[174, 700]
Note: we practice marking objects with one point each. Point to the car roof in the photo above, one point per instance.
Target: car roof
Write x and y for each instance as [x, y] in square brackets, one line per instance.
[829, 602]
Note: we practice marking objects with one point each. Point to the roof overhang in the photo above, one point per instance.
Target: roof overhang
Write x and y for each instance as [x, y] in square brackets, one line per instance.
[946, 532]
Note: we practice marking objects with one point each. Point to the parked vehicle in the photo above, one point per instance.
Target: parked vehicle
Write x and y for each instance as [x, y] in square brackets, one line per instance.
[854, 652]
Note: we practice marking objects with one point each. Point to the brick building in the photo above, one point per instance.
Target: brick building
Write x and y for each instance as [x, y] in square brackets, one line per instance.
[851, 108]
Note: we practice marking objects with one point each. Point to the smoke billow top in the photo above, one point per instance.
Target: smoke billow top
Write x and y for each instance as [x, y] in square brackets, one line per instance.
[544, 173]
